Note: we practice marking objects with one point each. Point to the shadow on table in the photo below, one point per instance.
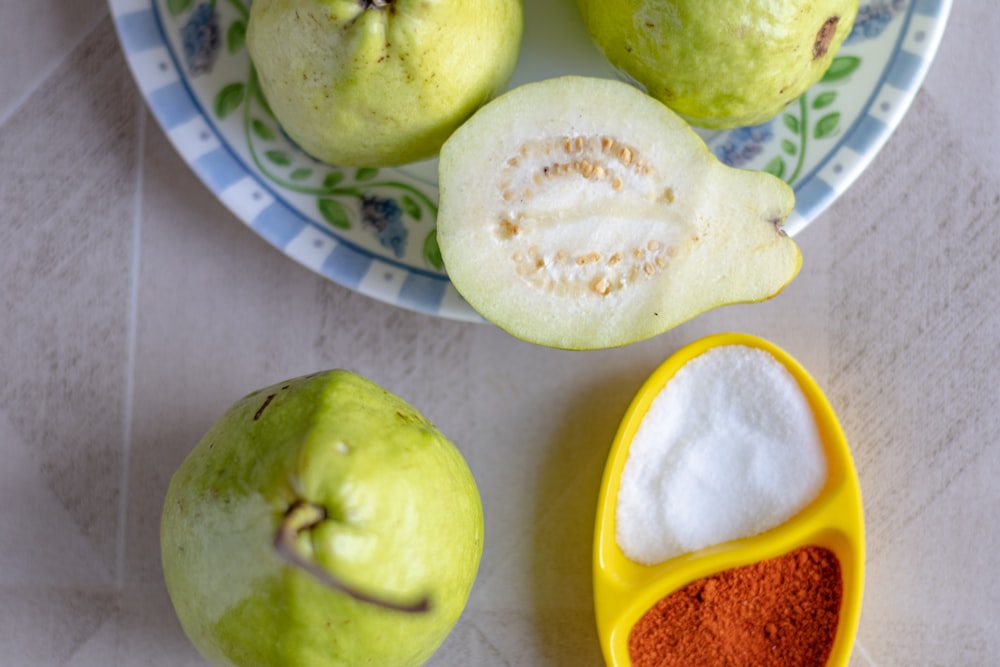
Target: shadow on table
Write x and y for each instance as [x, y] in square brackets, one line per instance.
[565, 513]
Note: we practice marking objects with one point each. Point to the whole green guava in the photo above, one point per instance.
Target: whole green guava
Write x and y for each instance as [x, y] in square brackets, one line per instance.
[721, 63]
[321, 521]
[380, 82]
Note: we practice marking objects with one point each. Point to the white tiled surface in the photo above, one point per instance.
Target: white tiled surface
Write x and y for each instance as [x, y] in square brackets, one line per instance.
[134, 308]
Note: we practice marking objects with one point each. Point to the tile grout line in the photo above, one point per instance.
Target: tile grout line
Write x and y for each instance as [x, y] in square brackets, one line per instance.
[130, 345]
[864, 653]
[22, 99]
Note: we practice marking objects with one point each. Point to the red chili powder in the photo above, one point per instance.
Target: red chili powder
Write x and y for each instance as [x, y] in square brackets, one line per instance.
[782, 611]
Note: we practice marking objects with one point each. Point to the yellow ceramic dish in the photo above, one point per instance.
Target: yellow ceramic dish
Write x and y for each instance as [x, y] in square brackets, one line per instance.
[624, 590]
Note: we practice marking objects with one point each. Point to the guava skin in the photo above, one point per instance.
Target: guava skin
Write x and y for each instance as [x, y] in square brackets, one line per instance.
[723, 63]
[378, 83]
[402, 521]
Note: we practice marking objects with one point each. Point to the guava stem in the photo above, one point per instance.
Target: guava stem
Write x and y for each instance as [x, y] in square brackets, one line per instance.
[304, 515]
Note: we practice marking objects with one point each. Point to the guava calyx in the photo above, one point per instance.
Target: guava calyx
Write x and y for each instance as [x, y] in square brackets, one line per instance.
[824, 37]
[303, 515]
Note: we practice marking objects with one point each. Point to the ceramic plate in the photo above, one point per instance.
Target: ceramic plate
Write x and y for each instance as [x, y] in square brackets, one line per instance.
[372, 229]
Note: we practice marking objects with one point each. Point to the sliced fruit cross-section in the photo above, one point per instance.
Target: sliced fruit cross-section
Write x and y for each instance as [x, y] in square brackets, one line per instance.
[581, 213]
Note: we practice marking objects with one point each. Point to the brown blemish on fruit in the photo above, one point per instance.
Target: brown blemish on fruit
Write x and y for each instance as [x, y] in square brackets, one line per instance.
[824, 37]
[260, 410]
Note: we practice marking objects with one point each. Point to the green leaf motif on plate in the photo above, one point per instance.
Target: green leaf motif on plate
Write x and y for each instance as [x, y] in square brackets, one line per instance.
[332, 179]
[300, 174]
[262, 130]
[791, 122]
[431, 250]
[824, 100]
[411, 207]
[366, 173]
[827, 125]
[840, 68]
[776, 166]
[789, 147]
[334, 213]
[236, 36]
[178, 6]
[279, 158]
[229, 99]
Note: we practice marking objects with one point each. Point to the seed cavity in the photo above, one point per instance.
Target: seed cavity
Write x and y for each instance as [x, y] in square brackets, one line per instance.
[596, 171]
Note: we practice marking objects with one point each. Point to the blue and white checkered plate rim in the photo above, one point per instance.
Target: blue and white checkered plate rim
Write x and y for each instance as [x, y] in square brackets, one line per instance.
[372, 230]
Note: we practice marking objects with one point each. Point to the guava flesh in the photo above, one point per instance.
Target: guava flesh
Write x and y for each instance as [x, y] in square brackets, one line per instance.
[581, 213]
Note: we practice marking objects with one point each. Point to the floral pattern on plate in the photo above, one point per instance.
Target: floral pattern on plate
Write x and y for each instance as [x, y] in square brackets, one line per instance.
[372, 229]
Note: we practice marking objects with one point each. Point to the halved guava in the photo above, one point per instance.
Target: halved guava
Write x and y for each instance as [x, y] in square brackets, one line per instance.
[581, 213]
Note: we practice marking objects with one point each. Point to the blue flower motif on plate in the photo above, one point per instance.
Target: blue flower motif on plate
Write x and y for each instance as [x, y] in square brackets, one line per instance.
[873, 18]
[744, 144]
[384, 216]
[201, 40]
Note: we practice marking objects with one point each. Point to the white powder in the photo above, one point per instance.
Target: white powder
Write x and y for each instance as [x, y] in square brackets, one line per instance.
[728, 449]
